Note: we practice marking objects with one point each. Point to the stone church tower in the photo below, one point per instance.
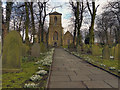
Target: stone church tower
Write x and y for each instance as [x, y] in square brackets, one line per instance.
[55, 37]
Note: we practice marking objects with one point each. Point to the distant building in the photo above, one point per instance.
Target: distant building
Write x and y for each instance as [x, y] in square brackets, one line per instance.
[56, 36]
[68, 38]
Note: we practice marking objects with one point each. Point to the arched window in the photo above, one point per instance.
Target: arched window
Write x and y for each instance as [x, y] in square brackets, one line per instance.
[55, 20]
[55, 36]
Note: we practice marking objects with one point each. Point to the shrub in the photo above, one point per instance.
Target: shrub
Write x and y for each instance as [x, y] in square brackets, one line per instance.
[79, 49]
[106, 52]
[85, 48]
[71, 45]
[12, 51]
[25, 50]
[66, 46]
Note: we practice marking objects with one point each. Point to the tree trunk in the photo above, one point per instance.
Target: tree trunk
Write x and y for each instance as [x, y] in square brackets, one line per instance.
[20, 23]
[74, 37]
[92, 24]
[92, 13]
[79, 36]
[8, 14]
[26, 24]
[32, 18]
[40, 21]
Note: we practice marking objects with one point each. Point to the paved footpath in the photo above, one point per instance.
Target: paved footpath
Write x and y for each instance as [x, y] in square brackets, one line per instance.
[69, 71]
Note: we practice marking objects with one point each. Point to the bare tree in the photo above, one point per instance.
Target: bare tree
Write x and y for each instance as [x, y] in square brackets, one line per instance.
[114, 7]
[32, 18]
[77, 9]
[8, 14]
[27, 23]
[93, 14]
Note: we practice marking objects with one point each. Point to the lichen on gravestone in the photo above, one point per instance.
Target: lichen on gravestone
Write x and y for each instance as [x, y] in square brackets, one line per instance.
[12, 51]
[96, 50]
[112, 51]
[118, 51]
[43, 47]
[35, 50]
[116, 55]
[106, 52]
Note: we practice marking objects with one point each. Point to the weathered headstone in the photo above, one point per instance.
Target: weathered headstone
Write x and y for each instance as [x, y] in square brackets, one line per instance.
[35, 50]
[119, 52]
[116, 52]
[79, 49]
[112, 51]
[12, 52]
[106, 52]
[42, 47]
[95, 50]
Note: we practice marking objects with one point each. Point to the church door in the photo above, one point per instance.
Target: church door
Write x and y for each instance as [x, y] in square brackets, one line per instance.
[55, 44]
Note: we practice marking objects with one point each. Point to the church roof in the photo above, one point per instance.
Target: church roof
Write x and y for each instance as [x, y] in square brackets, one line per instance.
[55, 13]
[68, 33]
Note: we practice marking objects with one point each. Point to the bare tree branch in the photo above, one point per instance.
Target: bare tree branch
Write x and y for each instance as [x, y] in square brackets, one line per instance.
[89, 8]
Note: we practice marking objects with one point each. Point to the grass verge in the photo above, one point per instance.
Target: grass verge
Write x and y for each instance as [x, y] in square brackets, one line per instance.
[17, 80]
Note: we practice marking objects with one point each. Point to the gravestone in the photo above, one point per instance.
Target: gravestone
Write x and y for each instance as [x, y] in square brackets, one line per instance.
[112, 51]
[12, 52]
[79, 49]
[106, 52]
[116, 52]
[95, 50]
[119, 53]
[35, 50]
[42, 47]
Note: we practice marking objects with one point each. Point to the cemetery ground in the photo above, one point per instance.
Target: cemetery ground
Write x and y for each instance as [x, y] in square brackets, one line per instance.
[26, 65]
[29, 68]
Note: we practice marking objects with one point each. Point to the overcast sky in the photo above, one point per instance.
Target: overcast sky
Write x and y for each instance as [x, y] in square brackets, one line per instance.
[66, 11]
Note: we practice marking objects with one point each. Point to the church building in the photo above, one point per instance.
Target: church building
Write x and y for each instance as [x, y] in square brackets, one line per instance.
[56, 37]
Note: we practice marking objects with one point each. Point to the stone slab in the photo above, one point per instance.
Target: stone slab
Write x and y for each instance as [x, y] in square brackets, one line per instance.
[59, 78]
[96, 84]
[62, 73]
[102, 77]
[113, 83]
[80, 78]
[67, 85]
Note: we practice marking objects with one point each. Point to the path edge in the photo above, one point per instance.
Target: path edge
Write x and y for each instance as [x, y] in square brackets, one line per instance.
[93, 64]
[48, 80]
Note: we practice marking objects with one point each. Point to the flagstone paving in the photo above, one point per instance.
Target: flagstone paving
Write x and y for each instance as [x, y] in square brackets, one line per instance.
[69, 71]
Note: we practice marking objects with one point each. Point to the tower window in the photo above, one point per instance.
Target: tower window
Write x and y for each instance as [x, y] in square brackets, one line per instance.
[55, 20]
